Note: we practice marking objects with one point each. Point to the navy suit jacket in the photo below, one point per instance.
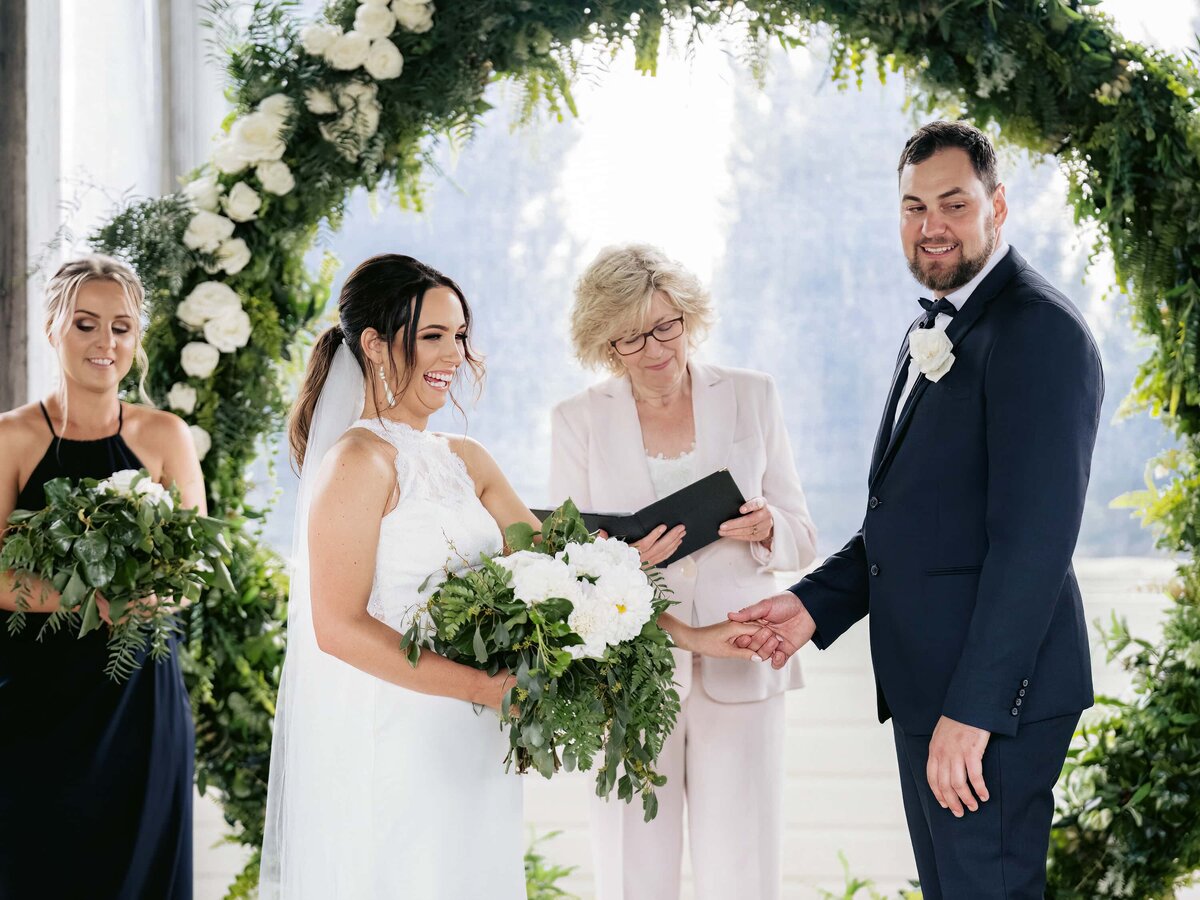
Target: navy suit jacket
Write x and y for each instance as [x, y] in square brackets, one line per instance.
[975, 498]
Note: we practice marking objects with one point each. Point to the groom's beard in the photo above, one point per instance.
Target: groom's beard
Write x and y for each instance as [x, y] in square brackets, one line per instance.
[949, 280]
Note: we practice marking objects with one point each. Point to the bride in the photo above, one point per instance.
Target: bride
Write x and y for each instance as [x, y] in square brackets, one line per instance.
[386, 779]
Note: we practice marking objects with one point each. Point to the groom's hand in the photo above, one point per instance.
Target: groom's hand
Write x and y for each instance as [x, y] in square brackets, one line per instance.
[955, 765]
[786, 627]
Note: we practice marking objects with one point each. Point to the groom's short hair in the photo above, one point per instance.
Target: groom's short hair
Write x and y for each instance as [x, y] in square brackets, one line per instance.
[941, 135]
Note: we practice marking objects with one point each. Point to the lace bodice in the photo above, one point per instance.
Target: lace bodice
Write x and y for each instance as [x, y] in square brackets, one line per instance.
[437, 520]
[670, 474]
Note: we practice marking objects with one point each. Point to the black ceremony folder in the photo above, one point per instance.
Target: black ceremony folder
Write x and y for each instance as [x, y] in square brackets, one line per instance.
[700, 507]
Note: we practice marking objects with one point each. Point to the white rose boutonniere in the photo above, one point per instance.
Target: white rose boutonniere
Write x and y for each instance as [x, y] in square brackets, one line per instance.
[931, 350]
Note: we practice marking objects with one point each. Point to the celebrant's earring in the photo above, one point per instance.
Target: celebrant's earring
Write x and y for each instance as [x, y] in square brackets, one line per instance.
[387, 388]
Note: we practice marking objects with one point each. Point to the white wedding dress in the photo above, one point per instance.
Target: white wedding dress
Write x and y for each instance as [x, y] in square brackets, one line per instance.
[400, 794]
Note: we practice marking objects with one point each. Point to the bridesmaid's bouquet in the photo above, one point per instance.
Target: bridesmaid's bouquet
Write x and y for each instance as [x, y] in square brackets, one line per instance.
[123, 541]
[574, 619]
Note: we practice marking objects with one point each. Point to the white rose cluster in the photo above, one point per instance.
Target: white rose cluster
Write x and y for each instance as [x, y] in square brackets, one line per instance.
[215, 308]
[611, 597]
[132, 483]
[358, 112]
[368, 45]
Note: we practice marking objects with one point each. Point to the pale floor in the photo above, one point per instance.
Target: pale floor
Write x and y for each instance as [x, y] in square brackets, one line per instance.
[841, 787]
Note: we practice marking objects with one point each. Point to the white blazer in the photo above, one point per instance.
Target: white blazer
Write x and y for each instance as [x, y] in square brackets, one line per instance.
[598, 459]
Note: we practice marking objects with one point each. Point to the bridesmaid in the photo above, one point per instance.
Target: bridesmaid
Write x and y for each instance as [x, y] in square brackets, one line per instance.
[95, 776]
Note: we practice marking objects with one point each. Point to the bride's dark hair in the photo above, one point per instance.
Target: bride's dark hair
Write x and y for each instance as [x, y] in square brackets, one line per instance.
[385, 292]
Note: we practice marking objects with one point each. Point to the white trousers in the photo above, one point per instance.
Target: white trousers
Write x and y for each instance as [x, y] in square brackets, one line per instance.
[724, 768]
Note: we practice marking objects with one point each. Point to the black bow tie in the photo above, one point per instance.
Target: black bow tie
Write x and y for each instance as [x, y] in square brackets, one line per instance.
[932, 309]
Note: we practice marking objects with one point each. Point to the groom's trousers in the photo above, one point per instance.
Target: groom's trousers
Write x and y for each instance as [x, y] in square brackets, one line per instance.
[998, 852]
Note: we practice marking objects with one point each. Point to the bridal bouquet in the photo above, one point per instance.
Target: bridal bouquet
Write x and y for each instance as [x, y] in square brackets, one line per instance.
[574, 619]
[124, 541]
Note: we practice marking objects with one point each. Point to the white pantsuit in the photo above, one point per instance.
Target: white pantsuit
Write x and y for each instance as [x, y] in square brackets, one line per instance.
[724, 762]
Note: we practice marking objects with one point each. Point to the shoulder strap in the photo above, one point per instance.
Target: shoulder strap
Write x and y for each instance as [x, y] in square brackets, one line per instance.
[46, 416]
[120, 416]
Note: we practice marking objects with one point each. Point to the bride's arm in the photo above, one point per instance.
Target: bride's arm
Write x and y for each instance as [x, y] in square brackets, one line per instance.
[355, 487]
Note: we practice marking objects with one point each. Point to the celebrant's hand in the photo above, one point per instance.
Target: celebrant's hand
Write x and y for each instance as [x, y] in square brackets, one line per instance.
[658, 545]
[756, 524]
[784, 627]
[955, 765]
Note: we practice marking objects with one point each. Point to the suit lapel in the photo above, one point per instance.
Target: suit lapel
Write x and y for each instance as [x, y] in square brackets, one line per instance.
[884, 434]
[962, 323]
[714, 407]
[621, 450]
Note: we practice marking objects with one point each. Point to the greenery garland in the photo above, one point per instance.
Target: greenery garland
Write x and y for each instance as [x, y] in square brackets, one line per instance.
[358, 99]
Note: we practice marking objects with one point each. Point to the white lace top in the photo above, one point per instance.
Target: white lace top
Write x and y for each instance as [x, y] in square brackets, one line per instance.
[669, 475]
[437, 520]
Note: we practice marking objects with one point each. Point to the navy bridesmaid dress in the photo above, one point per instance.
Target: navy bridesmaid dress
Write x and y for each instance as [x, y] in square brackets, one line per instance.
[95, 776]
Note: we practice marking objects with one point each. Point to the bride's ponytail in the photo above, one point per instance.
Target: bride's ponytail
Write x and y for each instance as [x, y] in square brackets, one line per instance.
[310, 391]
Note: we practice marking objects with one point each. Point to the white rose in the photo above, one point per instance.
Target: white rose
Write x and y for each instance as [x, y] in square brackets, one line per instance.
[233, 255]
[206, 230]
[384, 61]
[257, 136]
[319, 102]
[201, 439]
[374, 2]
[199, 359]
[416, 17]
[207, 300]
[151, 490]
[204, 193]
[931, 350]
[182, 398]
[242, 203]
[374, 21]
[121, 482]
[227, 157]
[278, 105]
[275, 177]
[349, 51]
[318, 38]
[229, 331]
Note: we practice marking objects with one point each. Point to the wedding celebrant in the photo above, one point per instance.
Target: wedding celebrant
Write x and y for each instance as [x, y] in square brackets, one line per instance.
[975, 496]
[662, 421]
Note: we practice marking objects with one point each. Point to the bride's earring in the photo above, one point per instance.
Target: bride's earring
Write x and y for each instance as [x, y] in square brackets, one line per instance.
[387, 388]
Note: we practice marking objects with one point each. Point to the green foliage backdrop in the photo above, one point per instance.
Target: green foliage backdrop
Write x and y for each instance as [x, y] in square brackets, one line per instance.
[323, 109]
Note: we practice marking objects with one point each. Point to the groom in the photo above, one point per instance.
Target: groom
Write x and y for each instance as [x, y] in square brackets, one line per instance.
[963, 560]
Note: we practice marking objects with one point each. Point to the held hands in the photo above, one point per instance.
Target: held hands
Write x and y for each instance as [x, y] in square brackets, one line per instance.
[955, 765]
[756, 524]
[783, 626]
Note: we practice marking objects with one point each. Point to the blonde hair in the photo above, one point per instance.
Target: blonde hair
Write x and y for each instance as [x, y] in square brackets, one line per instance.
[613, 296]
[62, 291]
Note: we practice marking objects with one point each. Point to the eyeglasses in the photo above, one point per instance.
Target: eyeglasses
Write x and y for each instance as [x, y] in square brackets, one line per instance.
[662, 332]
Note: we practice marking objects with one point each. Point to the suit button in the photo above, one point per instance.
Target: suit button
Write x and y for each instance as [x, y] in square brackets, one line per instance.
[1017, 702]
[1021, 692]
[873, 502]
[1015, 711]
[1025, 683]
[874, 570]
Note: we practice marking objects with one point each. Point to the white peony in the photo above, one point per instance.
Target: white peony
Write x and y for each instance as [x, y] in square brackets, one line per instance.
[601, 557]
[199, 359]
[242, 203]
[201, 439]
[593, 621]
[374, 21]
[415, 17]
[227, 157]
[208, 300]
[384, 61]
[319, 37]
[233, 255]
[349, 51]
[280, 106]
[537, 580]
[182, 398]
[121, 482]
[275, 177]
[931, 350]
[630, 596]
[204, 193]
[206, 230]
[229, 331]
[320, 102]
[258, 136]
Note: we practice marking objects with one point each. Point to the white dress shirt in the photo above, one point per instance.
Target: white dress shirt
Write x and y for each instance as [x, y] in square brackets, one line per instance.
[959, 298]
